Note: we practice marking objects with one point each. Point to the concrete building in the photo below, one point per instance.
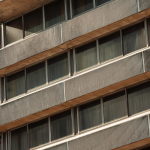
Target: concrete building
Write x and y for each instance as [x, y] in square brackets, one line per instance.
[74, 74]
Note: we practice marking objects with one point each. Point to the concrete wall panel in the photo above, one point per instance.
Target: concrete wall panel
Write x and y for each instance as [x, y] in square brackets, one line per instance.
[147, 60]
[114, 137]
[103, 77]
[59, 147]
[144, 4]
[31, 104]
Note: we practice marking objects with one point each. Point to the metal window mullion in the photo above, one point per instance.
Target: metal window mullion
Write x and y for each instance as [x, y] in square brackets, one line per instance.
[3, 35]
[74, 60]
[69, 65]
[23, 28]
[127, 107]
[97, 48]
[0, 91]
[148, 118]
[102, 110]
[43, 12]
[6, 142]
[121, 37]
[146, 32]
[71, 11]
[49, 129]
[28, 140]
[5, 91]
[25, 74]
[10, 140]
[78, 124]
[46, 71]
[2, 141]
[72, 117]
[94, 4]
[66, 15]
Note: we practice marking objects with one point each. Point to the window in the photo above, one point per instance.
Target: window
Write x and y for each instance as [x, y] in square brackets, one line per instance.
[100, 2]
[80, 6]
[0, 36]
[90, 115]
[19, 139]
[33, 22]
[0, 143]
[54, 13]
[38, 133]
[86, 56]
[13, 31]
[61, 125]
[134, 38]
[110, 47]
[36, 76]
[114, 106]
[15, 84]
[138, 98]
[58, 67]
[148, 26]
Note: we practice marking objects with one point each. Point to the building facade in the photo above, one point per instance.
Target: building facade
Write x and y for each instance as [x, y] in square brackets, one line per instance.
[75, 75]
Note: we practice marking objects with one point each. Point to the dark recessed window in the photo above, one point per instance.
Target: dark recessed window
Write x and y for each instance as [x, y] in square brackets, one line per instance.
[15, 84]
[38, 133]
[148, 24]
[101, 2]
[33, 22]
[138, 98]
[114, 106]
[19, 139]
[110, 47]
[61, 125]
[54, 13]
[90, 115]
[58, 67]
[0, 36]
[13, 31]
[134, 38]
[0, 143]
[86, 56]
[36, 76]
[80, 6]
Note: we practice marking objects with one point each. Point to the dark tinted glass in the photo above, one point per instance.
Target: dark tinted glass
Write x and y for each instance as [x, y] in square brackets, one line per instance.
[0, 36]
[38, 133]
[101, 2]
[80, 6]
[33, 22]
[54, 13]
[110, 47]
[61, 125]
[19, 139]
[13, 31]
[15, 84]
[138, 98]
[114, 106]
[86, 56]
[58, 67]
[148, 26]
[146, 148]
[90, 115]
[4, 141]
[0, 143]
[134, 38]
[36, 76]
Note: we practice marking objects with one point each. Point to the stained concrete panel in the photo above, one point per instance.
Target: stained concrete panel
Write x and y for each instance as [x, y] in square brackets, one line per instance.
[143, 4]
[31, 104]
[104, 76]
[114, 137]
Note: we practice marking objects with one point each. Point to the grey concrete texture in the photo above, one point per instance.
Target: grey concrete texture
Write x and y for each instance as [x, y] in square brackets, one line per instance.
[147, 60]
[143, 4]
[31, 104]
[88, 22]
[104, 76]
[98, 18]
[59, 147]
[114, 137]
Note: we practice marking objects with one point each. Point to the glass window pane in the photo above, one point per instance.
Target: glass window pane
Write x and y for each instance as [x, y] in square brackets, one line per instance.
[100, 2]
[38, 133]
[80, 6]
[19, 139]
[0, 143]
[134, 38]
[0, 36]
[90, 115]
[13, 31]
[15, 84]
[61, 125]
[33, 22]
[4, 141]
[110, 47]
[36, 76]
[86, 56]
[114, 106]
[58, 67]
[54, 13]
[138, 98]
[148, 26]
